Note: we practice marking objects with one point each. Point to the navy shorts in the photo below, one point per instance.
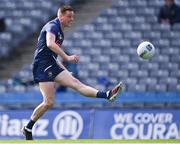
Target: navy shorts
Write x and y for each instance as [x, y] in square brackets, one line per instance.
[44, 71]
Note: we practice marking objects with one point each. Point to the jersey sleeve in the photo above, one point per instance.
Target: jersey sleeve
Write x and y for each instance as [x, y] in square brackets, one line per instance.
[52, 28]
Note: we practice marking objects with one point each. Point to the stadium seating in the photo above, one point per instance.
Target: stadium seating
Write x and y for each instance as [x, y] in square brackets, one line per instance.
[23, 18]
[107, 47]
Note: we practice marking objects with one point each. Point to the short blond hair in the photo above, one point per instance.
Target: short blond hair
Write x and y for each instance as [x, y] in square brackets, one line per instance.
[63, 9]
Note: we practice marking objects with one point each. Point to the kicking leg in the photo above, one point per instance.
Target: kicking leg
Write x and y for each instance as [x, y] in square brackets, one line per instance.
[66, 79]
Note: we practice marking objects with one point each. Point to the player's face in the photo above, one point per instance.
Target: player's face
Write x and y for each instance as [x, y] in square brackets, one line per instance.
[68, 18]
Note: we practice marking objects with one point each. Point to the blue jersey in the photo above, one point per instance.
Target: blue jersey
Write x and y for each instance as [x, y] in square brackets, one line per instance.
[43, 53]
[45, 67]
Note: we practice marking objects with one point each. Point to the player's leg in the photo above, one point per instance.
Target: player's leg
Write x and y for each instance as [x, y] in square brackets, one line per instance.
[47, 89]
[66, 79]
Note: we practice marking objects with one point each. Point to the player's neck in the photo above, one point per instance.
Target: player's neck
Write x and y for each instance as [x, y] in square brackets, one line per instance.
[62, 27]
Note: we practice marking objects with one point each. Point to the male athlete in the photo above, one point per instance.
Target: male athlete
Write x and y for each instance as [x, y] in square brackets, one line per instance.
[47, 70]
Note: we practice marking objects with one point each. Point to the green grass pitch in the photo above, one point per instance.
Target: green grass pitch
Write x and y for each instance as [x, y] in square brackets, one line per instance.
[91, 141]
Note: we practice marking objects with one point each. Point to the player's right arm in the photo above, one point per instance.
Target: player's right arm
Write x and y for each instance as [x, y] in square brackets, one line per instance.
[51, 44]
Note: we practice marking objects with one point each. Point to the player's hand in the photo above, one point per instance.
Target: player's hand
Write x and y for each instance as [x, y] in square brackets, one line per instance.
[73, 58]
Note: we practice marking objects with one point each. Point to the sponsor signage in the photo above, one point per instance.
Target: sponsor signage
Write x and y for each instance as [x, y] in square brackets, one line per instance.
[137, 124]
[54, 124]
[94, 124]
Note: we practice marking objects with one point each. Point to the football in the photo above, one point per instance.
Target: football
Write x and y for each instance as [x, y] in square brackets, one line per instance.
[146, 50]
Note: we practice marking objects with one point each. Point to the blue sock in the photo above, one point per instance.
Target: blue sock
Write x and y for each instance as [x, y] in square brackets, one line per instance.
[30, 124]
[101, 94]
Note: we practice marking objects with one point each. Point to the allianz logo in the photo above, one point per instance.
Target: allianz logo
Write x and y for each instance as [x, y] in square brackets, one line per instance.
[12, 126]
[67, 125]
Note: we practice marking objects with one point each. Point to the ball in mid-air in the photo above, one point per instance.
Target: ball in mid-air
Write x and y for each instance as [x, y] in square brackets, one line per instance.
[146, 50]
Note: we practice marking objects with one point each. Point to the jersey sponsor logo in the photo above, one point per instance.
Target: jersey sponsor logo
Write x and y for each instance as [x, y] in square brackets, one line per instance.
[67, 125]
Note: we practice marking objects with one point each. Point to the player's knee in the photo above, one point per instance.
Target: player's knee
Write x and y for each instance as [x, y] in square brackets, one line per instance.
[48, 104]
[76, 83]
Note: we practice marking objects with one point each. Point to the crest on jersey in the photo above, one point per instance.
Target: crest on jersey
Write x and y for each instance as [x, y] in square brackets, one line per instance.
[50, 74]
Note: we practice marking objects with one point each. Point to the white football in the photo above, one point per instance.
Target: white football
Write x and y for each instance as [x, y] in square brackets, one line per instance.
[145, 50]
